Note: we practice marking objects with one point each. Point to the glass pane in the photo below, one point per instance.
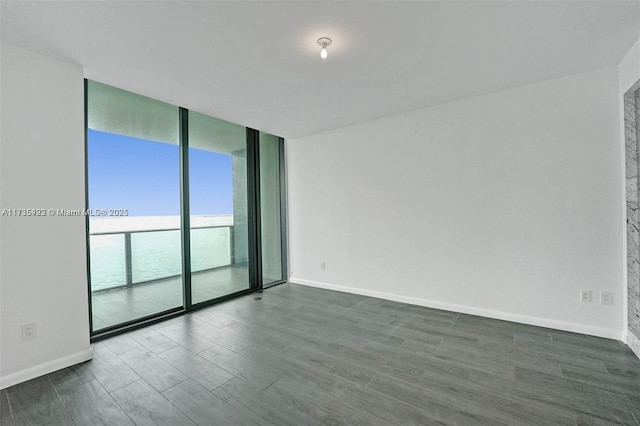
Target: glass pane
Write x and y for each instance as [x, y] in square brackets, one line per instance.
[134, 195]
[211, 248]
[153, 255]
[107, 261]
[218, 207]
[270, 209]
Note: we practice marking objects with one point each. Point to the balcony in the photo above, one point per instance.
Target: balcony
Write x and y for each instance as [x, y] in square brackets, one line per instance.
[138, 272]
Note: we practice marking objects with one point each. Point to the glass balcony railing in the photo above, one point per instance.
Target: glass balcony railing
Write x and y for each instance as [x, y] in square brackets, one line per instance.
[127, 258]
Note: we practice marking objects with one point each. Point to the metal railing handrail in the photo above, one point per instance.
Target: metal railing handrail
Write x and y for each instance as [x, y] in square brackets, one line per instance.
[127, 248]
[135, 231]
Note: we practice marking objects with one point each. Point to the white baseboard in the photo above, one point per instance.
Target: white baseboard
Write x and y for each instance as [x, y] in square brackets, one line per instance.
[506, 316]
[45, 368]
[634, 343]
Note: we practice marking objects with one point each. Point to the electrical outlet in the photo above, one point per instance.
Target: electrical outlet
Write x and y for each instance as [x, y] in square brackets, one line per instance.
[606, 298]
[29, 331]
[585, 296]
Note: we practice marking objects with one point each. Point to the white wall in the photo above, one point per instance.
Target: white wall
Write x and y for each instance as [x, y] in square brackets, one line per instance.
[43, 264]
[504, 205]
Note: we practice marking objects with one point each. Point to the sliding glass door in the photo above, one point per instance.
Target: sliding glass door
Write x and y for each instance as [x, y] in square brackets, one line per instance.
[133, 173]
[183, 209]
[217, 208]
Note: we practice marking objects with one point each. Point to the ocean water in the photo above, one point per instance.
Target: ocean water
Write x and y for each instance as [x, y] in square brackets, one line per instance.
[156, 252]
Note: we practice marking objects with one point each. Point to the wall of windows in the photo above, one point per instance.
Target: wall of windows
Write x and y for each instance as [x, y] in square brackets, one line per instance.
[183, 209]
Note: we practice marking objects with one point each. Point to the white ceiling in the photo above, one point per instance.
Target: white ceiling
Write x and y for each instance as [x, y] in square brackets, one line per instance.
[258, 64]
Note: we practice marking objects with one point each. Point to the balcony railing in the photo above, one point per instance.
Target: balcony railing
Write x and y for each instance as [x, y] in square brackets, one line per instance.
[122, 259]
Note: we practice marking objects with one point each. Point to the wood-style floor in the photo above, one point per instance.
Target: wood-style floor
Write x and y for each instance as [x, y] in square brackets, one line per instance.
[304, 356]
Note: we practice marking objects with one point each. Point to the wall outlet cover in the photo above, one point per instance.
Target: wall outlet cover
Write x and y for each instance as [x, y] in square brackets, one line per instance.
[29, 331]
[606, 298]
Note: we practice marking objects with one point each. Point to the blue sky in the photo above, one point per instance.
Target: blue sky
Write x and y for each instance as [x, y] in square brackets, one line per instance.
[144, 177]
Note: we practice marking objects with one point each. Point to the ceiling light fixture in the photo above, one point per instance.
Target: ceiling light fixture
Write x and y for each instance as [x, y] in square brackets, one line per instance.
[324, 42]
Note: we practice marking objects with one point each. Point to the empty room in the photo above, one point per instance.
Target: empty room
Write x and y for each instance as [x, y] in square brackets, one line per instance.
[320, 212]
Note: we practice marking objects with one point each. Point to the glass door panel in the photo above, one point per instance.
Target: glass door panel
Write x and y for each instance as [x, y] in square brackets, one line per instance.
[270, 209]
[133, 175]
[217, 207]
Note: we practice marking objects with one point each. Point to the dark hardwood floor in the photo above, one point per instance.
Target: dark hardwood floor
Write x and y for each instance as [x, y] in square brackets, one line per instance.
[305, 356]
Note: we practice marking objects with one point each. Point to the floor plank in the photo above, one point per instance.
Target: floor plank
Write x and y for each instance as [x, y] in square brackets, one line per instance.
[6, 418]
[203, 407]
[36, 402]
[90, 404]
[146, 406]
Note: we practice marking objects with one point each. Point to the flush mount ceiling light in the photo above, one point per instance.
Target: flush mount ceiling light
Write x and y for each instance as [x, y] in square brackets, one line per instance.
[324, 42]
